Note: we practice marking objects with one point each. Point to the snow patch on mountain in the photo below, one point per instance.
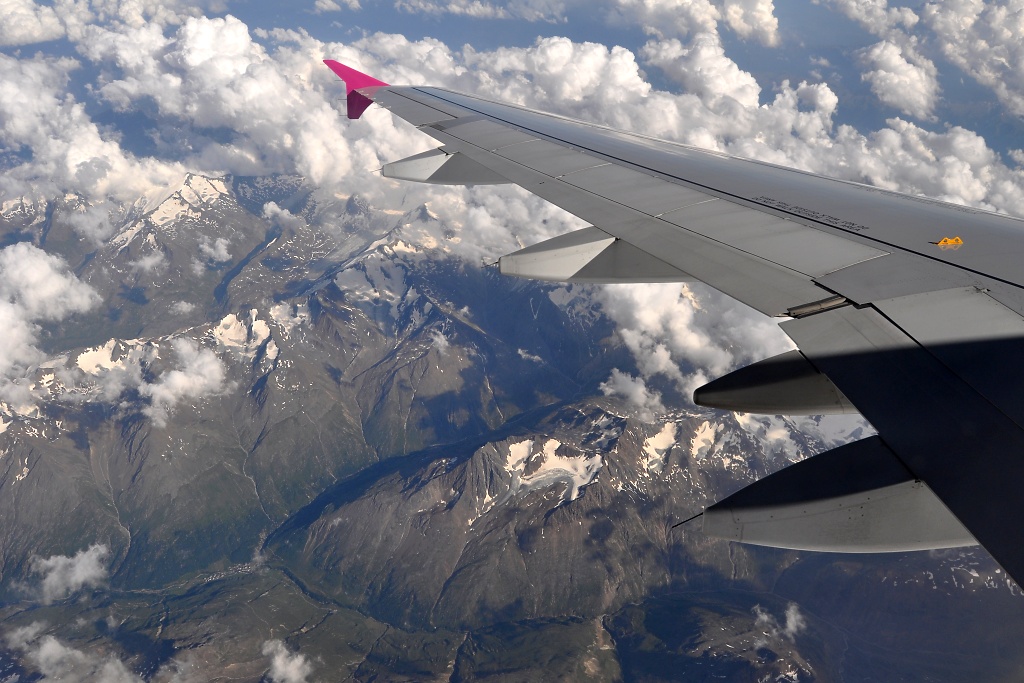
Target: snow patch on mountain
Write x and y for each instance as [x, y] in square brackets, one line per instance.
[23, 208]
[774, 432]
[656, 448]
[242, 335]
[97, 358]
[196, 192]
[704, 440]
[231, 332]
[534, 469]
[122, 239]
[170, 209]
[289, 318]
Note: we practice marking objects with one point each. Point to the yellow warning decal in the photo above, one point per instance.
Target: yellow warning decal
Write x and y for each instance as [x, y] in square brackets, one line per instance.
[950, 242]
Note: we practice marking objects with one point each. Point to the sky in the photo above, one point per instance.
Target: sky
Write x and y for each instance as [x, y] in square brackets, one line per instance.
[114, 101]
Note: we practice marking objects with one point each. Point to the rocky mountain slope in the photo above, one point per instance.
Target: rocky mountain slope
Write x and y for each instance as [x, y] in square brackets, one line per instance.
[306, 439]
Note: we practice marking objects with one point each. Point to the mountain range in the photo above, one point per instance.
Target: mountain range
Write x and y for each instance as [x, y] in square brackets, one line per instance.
[303, 439]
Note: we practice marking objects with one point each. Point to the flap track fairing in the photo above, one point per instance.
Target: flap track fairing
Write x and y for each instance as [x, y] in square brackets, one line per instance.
[787, 384]
[589, 255]
[441, 167]
[858, 498]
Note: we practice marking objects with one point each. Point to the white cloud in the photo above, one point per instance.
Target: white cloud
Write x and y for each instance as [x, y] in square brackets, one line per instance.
[279, 103]
[898, 73]
[702, 68]
[217, 250]
[439, 341]
[911, 88]
[752, 19]
[34, 287]
[876, 15]
[285, 666]
[634, 390]
[321, 6]
[470, 8]
[59, 662]
[663, 18]
[41, 285]
[793, 625]
[688, 334]
[149, 262]
[69, 153]
[26, 22]
[199, 372]
[63, 575]
[986, 40]
[283, 217]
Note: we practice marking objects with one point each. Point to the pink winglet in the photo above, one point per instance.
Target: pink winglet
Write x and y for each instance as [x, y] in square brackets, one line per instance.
[354, 81]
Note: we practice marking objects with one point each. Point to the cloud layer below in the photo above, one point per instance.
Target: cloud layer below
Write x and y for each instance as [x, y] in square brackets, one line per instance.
[221, 97]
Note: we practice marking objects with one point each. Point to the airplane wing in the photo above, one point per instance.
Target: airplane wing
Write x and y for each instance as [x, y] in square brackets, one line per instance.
[905, 309]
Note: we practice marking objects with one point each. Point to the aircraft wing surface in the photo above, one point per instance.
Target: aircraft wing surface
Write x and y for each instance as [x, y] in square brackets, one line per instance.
[905, 309]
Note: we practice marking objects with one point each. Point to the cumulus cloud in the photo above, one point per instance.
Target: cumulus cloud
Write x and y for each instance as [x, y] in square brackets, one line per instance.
[286, 666]
[148, 263]
[702, 68]
[876, 15]
[898, 73]
[279, 105]
[671, 333]
[35, 287]
[793, 624]
[199, 372]
[634, 390]
[469, 8]
[749, 19]
[57, 661]
[215, 250]
[439, 341]
[752, 19]
[64, 151]
[986, 40]
[282, 217]
[183, 369]
[911, 88]
[62, 575]
[321, 6]
[26, 22]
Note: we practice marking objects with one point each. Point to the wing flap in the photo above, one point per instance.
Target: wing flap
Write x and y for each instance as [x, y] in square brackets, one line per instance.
[968, 451]
[894, 275]
[972, 334]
